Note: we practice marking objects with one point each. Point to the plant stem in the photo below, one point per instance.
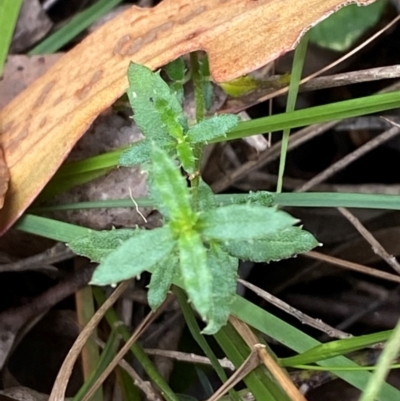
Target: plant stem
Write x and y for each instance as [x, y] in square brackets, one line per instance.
[295, 78]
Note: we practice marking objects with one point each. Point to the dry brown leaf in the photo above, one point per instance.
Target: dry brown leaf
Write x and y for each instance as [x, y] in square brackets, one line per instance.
[42, 124]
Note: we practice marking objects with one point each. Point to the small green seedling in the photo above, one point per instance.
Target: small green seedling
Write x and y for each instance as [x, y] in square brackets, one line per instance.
[200, 242]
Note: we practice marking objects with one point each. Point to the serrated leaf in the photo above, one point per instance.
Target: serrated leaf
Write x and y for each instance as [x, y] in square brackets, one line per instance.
[145, 87]
[161, 279]
[169, 118]
[206, 196]
[243, 222]
[262, 198]
[170, 189]
[223, 269]
[211, 128]
[186, 156]
[98, 244]
[138, 153]
[134, 256]
[195, 272]
[281, 245]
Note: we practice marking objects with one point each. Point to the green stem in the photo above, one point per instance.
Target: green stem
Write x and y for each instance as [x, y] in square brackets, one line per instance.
[295, 78]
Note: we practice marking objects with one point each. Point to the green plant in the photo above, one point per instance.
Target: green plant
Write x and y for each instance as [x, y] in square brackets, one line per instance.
[200, 241]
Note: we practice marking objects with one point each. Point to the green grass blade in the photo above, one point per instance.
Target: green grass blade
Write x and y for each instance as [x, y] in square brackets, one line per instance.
[297, 69]
[77, 24]
[335, 348]
[293, 199]
[48, 228]
[9, 11]
[389, 353]
[335, 199]
[314, 115]
[300, 342]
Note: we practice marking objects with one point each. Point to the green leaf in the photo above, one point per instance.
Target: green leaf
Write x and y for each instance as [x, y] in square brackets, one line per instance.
[211, 128]
[98, 244]
[281, 245]
[170, 190]
[206, 196]
[161, 279]
[169, 118]
[223, 269]
[137, 154]
[195, 272]
[145, 89]
[176, 69]
[342, 29]
[261, 198]
[186, 156]
[243, 222]
[134, 256]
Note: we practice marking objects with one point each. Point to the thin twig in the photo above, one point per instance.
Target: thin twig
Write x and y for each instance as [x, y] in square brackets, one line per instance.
[191, 358]
[376, 246]
[352, 266]
[55, 254]
[305, 319]
[271, 84]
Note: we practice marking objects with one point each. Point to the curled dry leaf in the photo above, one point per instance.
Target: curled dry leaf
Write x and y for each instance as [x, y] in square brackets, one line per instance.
[40, 126]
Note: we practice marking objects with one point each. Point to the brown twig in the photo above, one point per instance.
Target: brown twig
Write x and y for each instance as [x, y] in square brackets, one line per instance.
[352, 266]
[191, 358]
[375, 245]
[55, 254]
[305, 319]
